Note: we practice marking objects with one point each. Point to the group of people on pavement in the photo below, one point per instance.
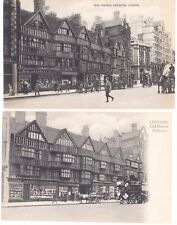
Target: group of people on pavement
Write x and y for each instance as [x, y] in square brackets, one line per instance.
[82, 88]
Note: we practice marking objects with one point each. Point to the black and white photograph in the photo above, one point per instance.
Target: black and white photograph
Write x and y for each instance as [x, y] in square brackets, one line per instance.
[89, 54]
[86, 167]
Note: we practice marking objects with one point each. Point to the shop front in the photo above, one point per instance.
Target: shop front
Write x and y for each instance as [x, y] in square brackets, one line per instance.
[41, 191]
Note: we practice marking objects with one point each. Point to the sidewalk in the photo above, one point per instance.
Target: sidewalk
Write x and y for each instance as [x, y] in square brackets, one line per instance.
[49, 203]
[48, 93]
[42, 93]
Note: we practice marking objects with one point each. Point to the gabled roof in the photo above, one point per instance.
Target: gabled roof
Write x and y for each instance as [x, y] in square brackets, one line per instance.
[89, 138]
[53, 22]
[78, 139]
[92, 36]
[61, 132]
[107, 148]
[61, 22]
[35, 14]
[25, 15]
[81, 28]
[28, 125]
[50, 133]
[97, 145]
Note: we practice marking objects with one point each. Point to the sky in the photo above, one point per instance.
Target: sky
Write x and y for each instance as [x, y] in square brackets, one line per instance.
[100, 124]
[158, 9]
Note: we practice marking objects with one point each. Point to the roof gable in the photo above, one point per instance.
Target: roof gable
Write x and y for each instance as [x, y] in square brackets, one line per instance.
[105, 150]
[65, 25]
[88, 145]
[33, 131]
[64, 138]
[37, 20]
[83, 34]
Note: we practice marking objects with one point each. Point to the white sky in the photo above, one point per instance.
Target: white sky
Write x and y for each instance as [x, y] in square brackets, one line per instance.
[100, 124]
[158, 9]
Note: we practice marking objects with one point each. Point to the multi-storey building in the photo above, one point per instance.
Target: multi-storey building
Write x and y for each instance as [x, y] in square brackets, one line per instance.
[140, 59]
[118, 31]
[133, 148]
[11, 35]
[154, 34]
[50, 49]
[41, 160]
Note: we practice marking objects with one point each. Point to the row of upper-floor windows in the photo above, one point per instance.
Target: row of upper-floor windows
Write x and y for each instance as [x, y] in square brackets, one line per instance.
[26, 141]
[27, 170]
[34, 33]
[27, 152]
[35, 140]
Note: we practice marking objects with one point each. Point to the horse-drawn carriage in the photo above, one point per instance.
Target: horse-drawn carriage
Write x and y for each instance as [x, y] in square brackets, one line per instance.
[133, 193]
[166, 81]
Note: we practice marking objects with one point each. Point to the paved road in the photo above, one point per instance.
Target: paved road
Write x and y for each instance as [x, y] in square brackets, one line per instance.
[131, 98]
[107, 212]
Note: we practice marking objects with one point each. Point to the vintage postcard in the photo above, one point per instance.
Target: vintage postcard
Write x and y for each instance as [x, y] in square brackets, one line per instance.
[93, 54]
[86, 166]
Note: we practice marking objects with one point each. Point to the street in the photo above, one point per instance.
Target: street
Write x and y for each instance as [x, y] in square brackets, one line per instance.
[130, 98]
[107, 212]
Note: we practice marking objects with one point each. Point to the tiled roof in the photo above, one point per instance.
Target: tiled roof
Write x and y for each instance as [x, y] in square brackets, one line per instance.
[25, 15]
[78, 139]
[51, 134]
[117, 155]
[16, 127]
[53, 22]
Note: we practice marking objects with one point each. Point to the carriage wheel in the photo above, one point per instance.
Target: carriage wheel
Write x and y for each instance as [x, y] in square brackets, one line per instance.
[121, 201]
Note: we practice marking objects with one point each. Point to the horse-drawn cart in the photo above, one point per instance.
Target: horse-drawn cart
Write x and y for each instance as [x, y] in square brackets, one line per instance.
[132, 193]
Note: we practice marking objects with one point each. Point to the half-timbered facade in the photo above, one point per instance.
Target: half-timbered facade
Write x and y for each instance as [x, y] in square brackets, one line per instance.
[50, 49]
[44, 161]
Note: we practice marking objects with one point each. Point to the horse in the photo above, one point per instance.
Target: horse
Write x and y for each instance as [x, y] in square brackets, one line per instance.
[162, 84]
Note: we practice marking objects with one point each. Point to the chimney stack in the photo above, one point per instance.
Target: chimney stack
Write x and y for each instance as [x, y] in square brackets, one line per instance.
[134, 126]
[85, 131]
[39, 5]
[20, 116]
[41, 118]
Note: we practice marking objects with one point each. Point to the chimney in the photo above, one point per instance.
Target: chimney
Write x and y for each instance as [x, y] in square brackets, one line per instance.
[99, 29]
[85, 131]
[20, 116]
[39, 5]
[41, 118]
[134, 127]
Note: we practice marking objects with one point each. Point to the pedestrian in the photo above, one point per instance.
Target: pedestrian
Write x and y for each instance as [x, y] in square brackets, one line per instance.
[81, 87]
[37, 88]
[25, 87]
[59, 87]
[108, 88]
[55, 86]
[68, 87]
[11, 91]
[54, 198]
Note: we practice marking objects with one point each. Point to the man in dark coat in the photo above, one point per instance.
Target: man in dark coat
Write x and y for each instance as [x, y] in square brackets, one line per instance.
[108, 88]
